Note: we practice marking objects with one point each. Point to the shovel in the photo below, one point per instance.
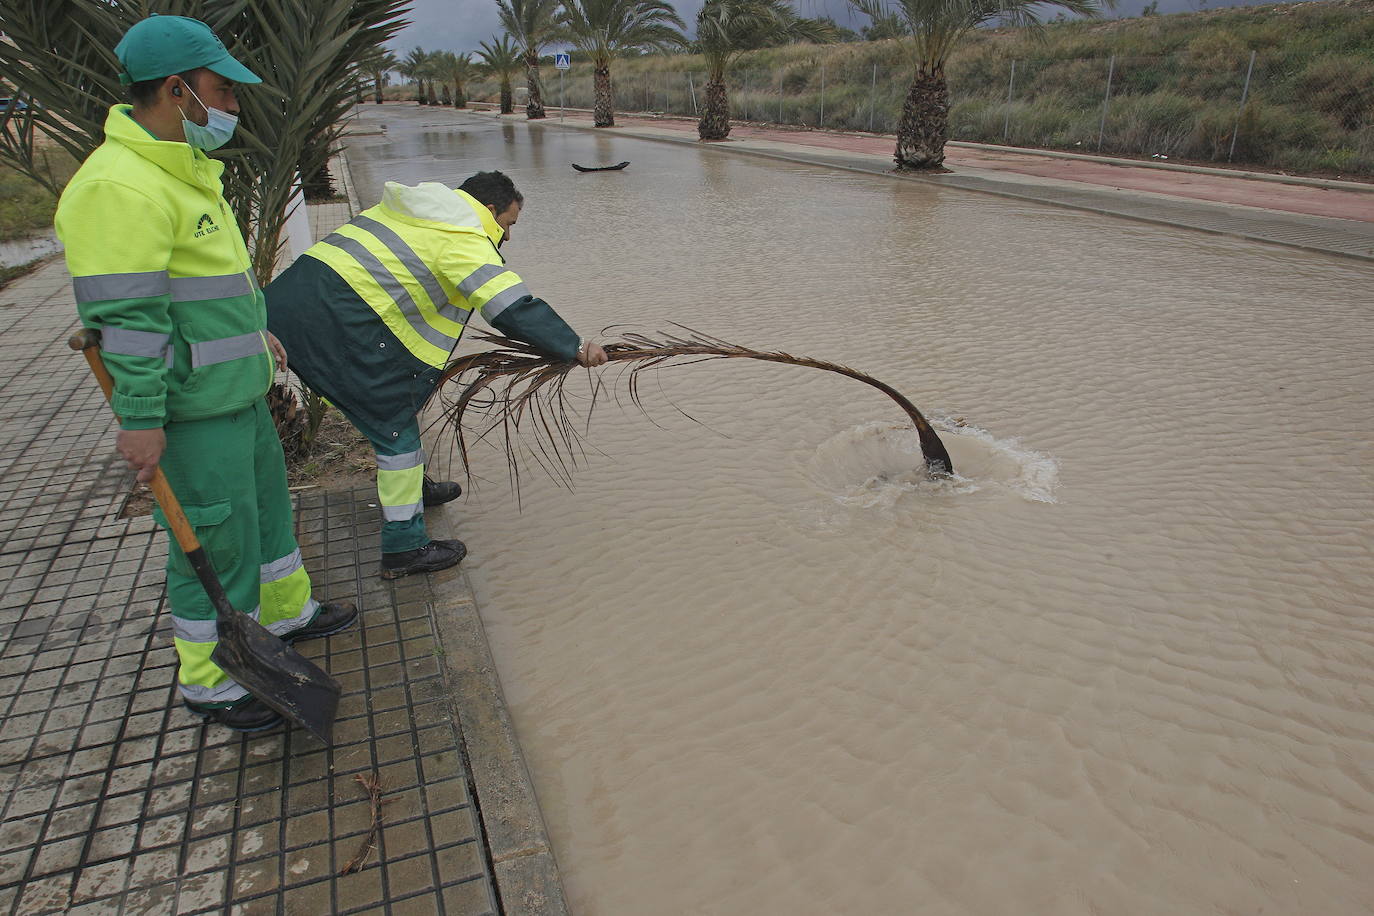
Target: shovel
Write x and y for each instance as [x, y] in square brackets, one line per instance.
[264, 665]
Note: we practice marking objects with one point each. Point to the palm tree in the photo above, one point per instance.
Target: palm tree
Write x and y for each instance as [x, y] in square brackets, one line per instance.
[932, 29]
[434, 69]
[456, 69]
[603, 29]
[376, 65]
[500, 59]
[413, 67]
[728, 28]
[533, 24]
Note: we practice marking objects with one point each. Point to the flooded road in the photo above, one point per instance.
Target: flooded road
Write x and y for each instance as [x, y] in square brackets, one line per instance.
[759, 665]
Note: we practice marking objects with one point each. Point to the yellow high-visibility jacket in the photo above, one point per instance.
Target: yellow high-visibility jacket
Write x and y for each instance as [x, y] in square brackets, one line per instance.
[370, 314]
[159, 266]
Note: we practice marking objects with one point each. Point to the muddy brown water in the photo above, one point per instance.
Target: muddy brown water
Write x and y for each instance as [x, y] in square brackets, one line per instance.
[759, 664]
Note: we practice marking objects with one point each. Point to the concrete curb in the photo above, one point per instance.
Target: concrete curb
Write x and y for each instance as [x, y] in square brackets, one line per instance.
[522, 861]
[1328, 183]
[522, 858]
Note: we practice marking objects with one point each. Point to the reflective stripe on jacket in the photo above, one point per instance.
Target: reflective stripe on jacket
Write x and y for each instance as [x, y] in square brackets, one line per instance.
[159, 266]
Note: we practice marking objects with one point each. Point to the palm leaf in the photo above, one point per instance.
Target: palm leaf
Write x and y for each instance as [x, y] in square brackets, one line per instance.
[524, 395]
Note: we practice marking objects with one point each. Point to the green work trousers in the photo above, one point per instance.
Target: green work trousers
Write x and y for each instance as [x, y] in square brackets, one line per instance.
[230, 478]
[400, 482]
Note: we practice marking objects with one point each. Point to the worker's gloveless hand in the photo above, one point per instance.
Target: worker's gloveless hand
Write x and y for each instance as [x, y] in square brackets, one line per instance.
[278, 351]
[591, 355]
[142, 448]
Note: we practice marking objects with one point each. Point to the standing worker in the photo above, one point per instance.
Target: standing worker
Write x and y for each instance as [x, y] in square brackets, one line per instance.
[159, 266]
[372, 312]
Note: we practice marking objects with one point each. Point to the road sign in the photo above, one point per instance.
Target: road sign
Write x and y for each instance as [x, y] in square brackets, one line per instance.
[562, 61]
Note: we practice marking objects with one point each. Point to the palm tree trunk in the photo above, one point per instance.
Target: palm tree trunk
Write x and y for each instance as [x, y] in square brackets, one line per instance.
[507, 102]
[377, 85]
[715, 112]
[460, 97]
[534, 105]
[603, 113]
[924, 127]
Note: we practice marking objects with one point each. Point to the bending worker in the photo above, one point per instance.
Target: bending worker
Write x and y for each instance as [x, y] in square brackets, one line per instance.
[371, 315]
[159, 266]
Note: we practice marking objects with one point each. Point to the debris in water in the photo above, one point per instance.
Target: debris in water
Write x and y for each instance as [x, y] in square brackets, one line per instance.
[521, 384]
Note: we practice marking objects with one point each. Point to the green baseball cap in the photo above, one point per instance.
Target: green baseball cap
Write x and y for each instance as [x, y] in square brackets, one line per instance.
[163, 45]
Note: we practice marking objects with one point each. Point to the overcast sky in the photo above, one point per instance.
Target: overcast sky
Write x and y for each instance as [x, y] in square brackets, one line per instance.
[458, 25]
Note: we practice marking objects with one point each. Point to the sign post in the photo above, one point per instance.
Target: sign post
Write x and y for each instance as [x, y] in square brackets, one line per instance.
[562, 61]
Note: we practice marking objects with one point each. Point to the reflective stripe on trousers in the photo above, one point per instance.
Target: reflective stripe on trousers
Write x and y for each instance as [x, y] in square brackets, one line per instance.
[286, 587]
[401, 485]
[202, 681]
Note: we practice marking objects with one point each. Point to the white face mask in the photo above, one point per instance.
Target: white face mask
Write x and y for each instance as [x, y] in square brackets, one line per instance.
[214, 133]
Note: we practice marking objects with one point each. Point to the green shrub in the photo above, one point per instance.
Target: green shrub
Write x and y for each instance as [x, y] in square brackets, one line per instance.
[1341, 86]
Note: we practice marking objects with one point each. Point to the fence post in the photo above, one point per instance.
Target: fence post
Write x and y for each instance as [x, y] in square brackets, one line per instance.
[872, 97]
[1244, 95]
[1106, 101]
[691, 87]
[1006, 125]
[821, 122]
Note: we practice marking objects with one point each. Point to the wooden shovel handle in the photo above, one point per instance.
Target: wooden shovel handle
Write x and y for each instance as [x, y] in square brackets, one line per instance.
[87, 340]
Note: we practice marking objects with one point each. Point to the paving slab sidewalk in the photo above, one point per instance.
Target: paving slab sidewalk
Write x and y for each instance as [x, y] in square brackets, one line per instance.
[115, 799]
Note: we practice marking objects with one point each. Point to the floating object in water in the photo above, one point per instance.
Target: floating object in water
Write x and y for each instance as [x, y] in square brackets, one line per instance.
[519, 385]
[601, 168]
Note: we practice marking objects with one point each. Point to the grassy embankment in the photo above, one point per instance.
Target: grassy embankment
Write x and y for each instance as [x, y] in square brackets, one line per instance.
[1176, 86]
[26, 207]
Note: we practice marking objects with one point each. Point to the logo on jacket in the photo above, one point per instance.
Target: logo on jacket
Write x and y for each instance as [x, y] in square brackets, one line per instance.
[205, 226]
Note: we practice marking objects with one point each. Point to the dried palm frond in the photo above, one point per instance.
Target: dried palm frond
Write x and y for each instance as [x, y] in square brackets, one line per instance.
[526, 391]
[372, 785]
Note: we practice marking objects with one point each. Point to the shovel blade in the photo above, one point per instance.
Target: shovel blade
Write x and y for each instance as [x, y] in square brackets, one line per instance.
[277, 674]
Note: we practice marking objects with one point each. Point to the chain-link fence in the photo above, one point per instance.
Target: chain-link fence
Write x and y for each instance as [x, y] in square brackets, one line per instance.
[1239, 110]
[1317, 116]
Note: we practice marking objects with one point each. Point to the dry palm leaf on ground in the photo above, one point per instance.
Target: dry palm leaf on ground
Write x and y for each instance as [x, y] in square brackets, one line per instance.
[525, 397]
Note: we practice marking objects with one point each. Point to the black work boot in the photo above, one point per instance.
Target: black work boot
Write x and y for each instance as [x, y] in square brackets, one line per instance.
[332, 617]
[432, 557]
[250, 715]
[438, 492]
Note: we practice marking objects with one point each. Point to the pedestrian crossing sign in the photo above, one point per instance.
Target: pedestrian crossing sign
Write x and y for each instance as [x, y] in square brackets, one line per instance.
[562, 60]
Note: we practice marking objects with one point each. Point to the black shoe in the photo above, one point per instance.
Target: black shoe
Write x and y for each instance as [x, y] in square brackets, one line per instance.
[438, 492]
[330, 618]
[250, 715]
[432, 557]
